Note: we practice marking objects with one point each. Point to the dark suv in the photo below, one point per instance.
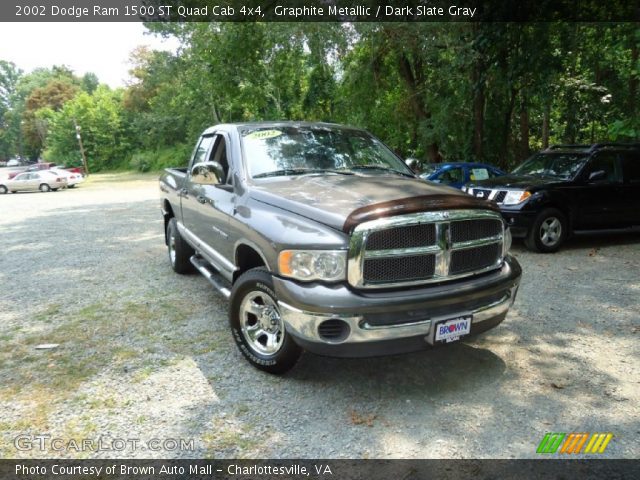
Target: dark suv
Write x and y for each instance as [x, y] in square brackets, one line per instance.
[567, 188]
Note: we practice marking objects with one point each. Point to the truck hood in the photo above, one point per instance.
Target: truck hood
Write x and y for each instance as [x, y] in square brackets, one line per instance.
[522, 182]
[342, 202]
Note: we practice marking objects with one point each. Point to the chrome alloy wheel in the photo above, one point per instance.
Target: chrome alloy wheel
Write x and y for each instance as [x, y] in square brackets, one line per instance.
[261, 323]
[550, 231]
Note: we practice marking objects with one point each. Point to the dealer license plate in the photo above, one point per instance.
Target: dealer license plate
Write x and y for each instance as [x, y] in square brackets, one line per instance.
[452, 330]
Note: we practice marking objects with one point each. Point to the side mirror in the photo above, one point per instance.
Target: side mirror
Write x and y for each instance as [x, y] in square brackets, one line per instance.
[413, 164]
[207, 173]
[597, 176]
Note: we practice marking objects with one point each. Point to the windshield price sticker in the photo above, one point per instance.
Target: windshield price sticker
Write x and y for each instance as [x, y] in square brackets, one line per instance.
[263, 134]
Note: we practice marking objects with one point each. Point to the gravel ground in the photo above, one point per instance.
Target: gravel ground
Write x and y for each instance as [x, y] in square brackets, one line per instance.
[146, 354]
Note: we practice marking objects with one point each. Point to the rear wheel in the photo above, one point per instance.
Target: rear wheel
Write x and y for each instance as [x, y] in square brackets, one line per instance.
[548, 232]
[45, 188]
[179, 250]
[257, 325]
[3, 189]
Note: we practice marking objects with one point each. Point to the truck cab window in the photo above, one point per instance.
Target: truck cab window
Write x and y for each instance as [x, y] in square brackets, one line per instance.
[607, 162]
[219, 154]
[201, 150]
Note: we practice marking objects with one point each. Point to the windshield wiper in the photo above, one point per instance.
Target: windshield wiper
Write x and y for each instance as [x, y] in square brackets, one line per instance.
[299, 171]
[285, 171]
[378, 167]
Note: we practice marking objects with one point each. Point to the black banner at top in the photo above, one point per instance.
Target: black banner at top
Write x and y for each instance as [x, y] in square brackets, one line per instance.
[320, 11]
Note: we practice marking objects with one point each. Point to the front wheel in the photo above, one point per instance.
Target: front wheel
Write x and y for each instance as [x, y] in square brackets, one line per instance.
[548, 232]
[45, 188]
[257, 325]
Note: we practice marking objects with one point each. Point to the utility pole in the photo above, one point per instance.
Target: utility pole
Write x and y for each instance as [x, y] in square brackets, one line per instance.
[84, 157]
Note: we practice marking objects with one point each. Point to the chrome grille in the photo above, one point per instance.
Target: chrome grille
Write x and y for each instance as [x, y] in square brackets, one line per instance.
[500, 195]
[398, 269]
[470, 259]
[466, 230]
[425, 247]
[402, 237]
[496, 195]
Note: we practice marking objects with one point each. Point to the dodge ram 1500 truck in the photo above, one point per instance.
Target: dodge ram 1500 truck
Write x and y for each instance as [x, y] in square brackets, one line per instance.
[324, 240]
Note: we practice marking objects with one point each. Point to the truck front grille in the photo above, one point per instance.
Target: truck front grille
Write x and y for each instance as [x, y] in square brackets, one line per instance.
[399, 269]
[471, 259]
[466, 230]
[402, 237]
[425, 247]
[497, 196]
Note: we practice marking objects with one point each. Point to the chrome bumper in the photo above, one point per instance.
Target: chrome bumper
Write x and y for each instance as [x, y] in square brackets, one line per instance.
[305, 325]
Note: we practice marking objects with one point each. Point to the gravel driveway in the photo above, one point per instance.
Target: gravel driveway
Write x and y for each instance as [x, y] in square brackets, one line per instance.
[146, 354]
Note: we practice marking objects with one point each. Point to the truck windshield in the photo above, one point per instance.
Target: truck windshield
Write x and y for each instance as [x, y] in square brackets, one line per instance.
[300, 150]
[556, 165]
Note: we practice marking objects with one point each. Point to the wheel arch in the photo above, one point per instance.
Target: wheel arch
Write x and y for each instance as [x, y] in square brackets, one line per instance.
[559, 202]
[246, 257]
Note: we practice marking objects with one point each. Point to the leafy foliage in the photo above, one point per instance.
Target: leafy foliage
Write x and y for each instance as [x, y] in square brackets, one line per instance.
[452, 91]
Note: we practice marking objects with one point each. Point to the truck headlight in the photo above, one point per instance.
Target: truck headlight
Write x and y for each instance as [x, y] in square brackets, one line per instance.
[327, 265]
[514, 197]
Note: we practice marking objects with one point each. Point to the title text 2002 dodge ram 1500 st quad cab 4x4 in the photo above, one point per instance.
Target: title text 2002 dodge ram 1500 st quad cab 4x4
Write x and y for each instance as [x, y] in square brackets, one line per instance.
[324, 240]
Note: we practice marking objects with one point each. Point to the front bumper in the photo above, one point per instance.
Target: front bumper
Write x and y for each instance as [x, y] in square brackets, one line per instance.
[518, 221]
[384, 323]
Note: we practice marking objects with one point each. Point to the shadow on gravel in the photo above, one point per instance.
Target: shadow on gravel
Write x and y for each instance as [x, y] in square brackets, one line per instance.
[415, 376]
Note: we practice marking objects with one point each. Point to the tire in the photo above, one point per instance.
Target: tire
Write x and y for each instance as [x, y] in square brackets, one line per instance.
[178, 249]
[44, 187]
[253, 303]
[3, 190]
[548, 232]
[71, 186]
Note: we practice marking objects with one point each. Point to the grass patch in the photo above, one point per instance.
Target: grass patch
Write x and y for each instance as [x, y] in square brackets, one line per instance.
[91, 338]
[230, 438]
[51, 310]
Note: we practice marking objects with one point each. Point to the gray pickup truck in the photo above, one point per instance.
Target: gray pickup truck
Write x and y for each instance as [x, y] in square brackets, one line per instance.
[324, 240]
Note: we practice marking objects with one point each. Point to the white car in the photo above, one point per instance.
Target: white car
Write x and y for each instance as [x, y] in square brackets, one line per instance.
[72, 178]
[44, 180]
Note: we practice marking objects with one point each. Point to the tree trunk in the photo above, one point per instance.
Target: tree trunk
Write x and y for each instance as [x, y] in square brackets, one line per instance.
[633, 80]
[412, 80]
[545, 124]
[506, 133]
[478, 111]
[524, 131]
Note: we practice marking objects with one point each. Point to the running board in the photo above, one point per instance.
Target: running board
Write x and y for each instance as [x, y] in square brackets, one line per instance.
[210, 275]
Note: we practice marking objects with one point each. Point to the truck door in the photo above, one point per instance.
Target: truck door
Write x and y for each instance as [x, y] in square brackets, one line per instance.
[631, 185]
[211, 207]
[601, 201]
[188, 202]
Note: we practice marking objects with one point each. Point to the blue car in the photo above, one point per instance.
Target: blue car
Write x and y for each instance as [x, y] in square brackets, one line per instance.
[456, 174]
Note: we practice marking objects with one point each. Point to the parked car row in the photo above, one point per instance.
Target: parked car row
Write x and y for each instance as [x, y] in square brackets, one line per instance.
[29, 179]
[45, 181]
